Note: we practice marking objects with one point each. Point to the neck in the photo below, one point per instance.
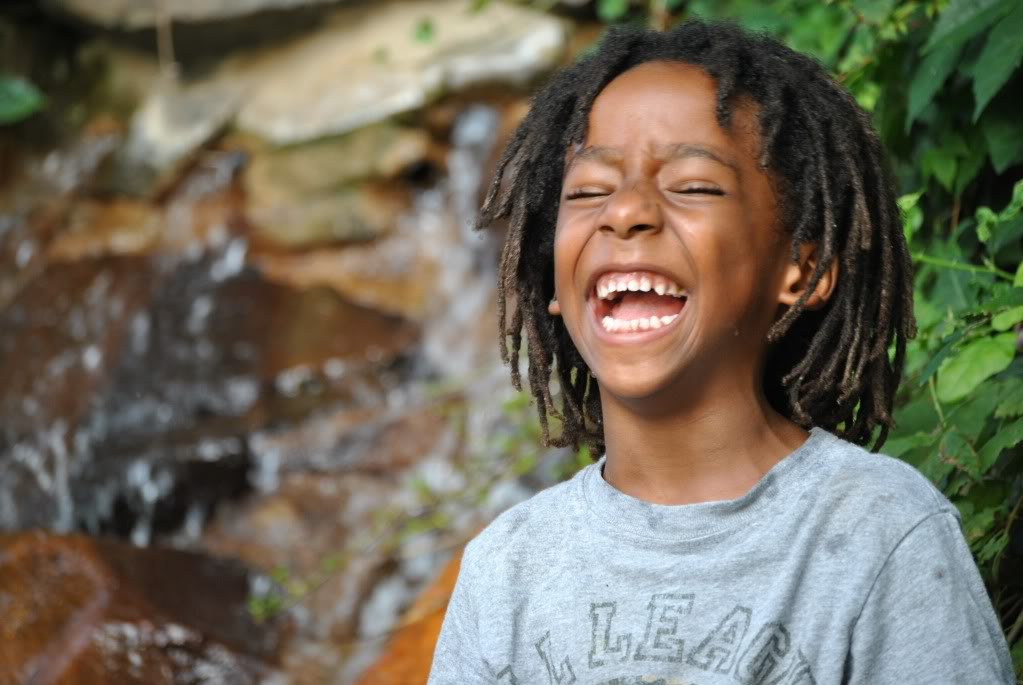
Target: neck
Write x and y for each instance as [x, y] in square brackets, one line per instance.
[715, 446]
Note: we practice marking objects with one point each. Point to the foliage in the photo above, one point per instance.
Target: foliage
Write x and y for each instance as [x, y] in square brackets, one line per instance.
[944, 84]
[19, 99]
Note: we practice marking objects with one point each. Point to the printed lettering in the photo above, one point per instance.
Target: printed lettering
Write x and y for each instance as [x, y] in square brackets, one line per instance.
[560, 676]
[660, 643]
[508, 673]
[719, 649]
[602, 615]
[761, 662]
[802, 674]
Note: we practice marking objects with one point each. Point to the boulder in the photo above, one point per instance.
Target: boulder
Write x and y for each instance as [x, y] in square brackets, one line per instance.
[373, 61]
[80, 610]
[167, 129]
[132, 14]
[380, 151]
[389, 274]
[348, 215]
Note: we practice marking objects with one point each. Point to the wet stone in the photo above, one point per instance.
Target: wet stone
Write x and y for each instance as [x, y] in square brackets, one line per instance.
[140, 381]
[307, 520]
[80, 611]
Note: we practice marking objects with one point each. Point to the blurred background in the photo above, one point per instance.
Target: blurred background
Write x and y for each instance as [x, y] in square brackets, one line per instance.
[251, 405]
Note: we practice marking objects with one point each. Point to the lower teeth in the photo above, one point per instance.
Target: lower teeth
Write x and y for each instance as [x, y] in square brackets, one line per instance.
[613, 325]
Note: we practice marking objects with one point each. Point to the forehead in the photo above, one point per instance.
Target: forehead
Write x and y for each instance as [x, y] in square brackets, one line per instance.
[666, 103]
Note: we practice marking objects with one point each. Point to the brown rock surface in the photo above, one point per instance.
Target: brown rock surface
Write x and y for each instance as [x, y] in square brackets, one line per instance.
[81, 611]
[407, 658]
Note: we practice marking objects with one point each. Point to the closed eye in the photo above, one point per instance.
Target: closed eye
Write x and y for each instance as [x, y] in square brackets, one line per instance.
[583, 194]
[699, 190]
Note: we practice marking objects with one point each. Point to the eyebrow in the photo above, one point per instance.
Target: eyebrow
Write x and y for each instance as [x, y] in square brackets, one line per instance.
[666, 153]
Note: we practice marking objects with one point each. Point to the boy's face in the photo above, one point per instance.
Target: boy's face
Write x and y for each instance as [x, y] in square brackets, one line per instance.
[661, 198]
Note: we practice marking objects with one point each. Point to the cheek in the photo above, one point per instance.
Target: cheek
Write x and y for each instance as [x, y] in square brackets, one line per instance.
[568, 245]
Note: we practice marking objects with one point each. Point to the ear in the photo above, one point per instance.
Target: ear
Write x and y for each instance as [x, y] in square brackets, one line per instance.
[797, 277]
[554, 309]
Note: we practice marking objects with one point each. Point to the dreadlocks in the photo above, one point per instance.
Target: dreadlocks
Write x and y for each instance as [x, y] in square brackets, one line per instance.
[830, 367]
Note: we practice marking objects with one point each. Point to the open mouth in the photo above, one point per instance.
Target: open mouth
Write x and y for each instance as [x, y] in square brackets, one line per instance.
[632, 301]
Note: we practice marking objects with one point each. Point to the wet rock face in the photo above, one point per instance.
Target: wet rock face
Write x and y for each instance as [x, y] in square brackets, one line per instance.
[138, 375]
[409, 654]
[82, 611]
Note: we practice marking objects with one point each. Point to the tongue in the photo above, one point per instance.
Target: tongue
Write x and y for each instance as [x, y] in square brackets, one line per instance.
[639, 305]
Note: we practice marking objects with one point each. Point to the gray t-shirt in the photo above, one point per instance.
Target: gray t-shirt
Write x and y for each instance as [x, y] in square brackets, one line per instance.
[839, 566]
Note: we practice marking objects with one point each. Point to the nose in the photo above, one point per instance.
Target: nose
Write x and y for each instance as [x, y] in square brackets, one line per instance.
[631, 210]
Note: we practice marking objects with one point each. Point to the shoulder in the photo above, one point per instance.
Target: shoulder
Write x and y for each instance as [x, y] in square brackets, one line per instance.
[534, 525]
[886, 496]
[852, 470]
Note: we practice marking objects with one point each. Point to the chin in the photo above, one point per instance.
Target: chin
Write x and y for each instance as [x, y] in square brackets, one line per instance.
[633, 385]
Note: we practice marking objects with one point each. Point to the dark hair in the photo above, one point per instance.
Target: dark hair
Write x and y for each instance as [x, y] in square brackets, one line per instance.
[829, 367]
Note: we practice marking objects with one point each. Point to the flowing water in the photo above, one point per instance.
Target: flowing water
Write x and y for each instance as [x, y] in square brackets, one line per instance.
[165, 390]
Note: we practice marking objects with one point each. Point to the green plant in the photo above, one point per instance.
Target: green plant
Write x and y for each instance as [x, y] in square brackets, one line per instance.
[943, 82]
[19, 99]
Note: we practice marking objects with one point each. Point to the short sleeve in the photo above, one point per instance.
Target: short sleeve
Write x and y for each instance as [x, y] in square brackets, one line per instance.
[928, 618]
[457, 658]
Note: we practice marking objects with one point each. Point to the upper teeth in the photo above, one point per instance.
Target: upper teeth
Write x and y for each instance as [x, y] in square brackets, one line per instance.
[609, 284]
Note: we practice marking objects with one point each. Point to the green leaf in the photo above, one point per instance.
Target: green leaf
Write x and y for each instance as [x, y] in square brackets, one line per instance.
[1007, 319]
[985, 220]
[969, 165]
[1011, 403]
[927, 457]
[957, 451]
[929, 77]
[19, 99]
[977, 361]
[946, 349]
[1006, 437]
[1018, 280]
[424, 31]
[1002, 54]
[896, 447]
[976, 523]
[1002, 129]
[612, 10]
[963, 19]
[1010, 298]
[1008, 233]
[994, 546]
[940, 162]
[912, 216]
[1015, 205]
[970, 417]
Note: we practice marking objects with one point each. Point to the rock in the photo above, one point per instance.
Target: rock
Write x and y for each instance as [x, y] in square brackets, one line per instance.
[308, 519]
[380, 151]
[315, 194]
[171, 124]
[369, 440]
[408, 656]
[389, 274]
[131, 14]
[138, 380]
[95, 229]
[80, 610]
[349, 215]
[373, 61]
[36, 195]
